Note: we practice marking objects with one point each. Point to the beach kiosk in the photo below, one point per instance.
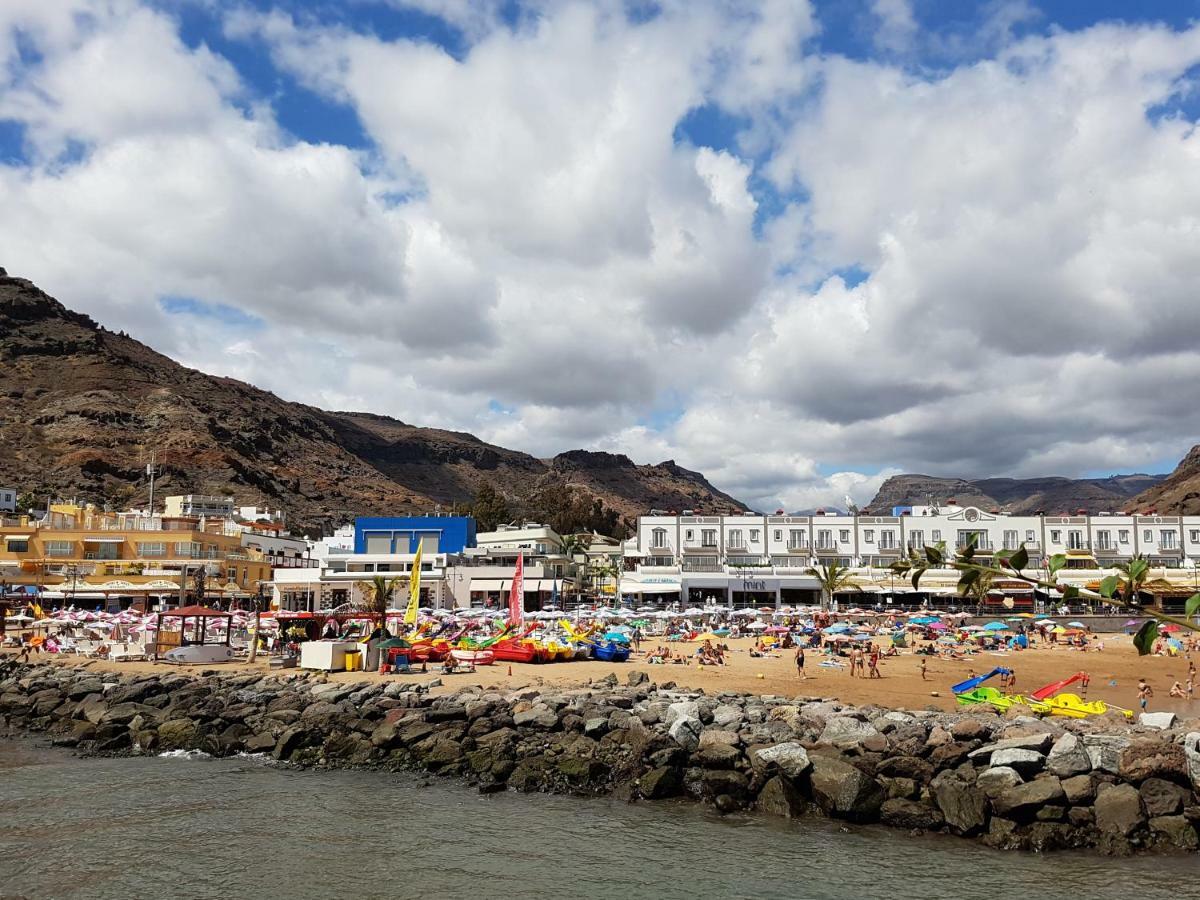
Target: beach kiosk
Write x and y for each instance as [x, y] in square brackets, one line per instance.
[190, 643]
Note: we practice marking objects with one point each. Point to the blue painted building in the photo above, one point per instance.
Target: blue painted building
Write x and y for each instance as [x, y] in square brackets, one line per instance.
[401, 534]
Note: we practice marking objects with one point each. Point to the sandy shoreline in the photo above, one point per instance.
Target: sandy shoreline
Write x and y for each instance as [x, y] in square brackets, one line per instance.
[900, 687]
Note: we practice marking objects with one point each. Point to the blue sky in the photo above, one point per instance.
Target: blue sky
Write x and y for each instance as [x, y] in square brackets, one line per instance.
[796, 247]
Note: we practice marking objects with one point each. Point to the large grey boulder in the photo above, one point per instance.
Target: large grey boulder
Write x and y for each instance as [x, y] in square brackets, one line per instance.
[1038, 743]
[537, 716]
[1119, 809]
[779, 797]
[998, 779]
[962, 803]
[903, 813]
[1163, 798]
[1023, 801]
[1159, 720]
[686, 732]
[843, 791]
[1068, 757]
[1027, 762]
[726, 714]
[682, 709]
[1104, 751]
[791, 758]
[1191, 750]
[848, 730]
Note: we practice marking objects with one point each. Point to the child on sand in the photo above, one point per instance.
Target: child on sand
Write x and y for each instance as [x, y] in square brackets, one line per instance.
[923, 663]
[800, 663]
[1144, 693]
[1176, 690]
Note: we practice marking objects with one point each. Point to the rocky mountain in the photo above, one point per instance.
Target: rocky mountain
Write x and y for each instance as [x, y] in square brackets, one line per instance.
[1017, 495]
[1179, 492]
[82, 408]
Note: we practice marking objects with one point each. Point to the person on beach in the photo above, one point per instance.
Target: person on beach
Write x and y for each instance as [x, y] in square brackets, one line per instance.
[800, 663]
[875, 663]
[1144, 693]
[924, 663]
[1176, 690]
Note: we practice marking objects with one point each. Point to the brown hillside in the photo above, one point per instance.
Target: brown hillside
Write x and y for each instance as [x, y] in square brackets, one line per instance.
[84, 407]
[1179, 492]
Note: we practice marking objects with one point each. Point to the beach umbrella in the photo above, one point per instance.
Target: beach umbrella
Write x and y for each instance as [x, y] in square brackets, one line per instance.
[757, 626]
[1169, 628]
[1045, 622]
[617, 636]
[947, 639]
[996, 626]
[1077, 625]
[1058, 629]
[1013, 619]
[839, 628]
[938, 626]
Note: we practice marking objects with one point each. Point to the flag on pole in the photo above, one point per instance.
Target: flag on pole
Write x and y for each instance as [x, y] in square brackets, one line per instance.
[414, 589]
[516, 593]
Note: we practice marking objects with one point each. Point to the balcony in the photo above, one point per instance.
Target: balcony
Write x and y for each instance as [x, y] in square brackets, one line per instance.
[705, 565]
[980, 546]
[797, 548]
[827, 549]
[701, 548]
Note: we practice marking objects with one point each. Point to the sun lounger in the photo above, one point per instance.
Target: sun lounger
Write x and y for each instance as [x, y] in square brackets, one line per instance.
[125, 652]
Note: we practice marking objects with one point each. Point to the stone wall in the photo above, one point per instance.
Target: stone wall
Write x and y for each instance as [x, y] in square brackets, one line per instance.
[1015, 783]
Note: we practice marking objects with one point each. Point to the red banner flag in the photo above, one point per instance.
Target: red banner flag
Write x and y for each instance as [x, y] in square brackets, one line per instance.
[516, 594]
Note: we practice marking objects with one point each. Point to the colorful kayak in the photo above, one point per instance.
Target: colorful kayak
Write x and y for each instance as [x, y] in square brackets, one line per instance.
[513, 651]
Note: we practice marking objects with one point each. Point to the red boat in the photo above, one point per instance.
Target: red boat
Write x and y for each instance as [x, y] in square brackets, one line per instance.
[513, 651]
[424, 651]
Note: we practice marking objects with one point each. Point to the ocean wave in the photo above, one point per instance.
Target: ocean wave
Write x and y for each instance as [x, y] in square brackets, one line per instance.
[184, 754]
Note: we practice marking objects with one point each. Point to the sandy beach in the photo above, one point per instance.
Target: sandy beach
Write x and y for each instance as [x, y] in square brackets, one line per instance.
[1114, 670]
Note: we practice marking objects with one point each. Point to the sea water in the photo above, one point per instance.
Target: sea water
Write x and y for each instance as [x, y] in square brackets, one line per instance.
[190, 826]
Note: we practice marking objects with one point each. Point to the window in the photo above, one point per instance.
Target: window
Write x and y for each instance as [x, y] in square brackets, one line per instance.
[797, 539]
[1123, 535]
[17, 546]
[735, 538]
[1010, 540]
[824, 540]
[869, 536]
[887, 540]
[1029, 535]
[1195, 536]
[708, 537]
[1074, 540]
[1147, 535]
[658, 538]
[753, 534]
[916, 538]
[1103, 540]
[1166, 540]
[937, 535]
[1056, 537]
[845, 536]
[152, 548]
[58, 548]
[689, 535]
[779, 534]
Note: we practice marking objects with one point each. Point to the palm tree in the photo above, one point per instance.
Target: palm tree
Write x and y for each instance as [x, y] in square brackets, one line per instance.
[573, 545]
[377, 597]
[604, 569]
[833, 577]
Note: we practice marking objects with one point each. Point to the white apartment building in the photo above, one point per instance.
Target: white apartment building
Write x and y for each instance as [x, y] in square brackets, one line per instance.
[178, 506]
[748, 560]
[8, 499]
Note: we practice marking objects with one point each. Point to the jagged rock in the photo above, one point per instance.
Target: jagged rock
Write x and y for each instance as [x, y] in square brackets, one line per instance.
[686, 732]
[178, 734]
[947, 756]
[1175, 831]
[1160, 720]
[716, 782]
[1079, 789]
[1151, 758]
[843, 791]
[1068, 757]
[840, 730]
[912, 767]
[1163, 798]
[682, 709]
[998, 779]
[260, 743]
[660, 783]
[1104, 751]
[779, 797]
[1191, 749]
[711, 736]
[717, 756]
[1038, 743]
[791, 758]
[963, 804]
[536, 717]
[901, 813]
[725, 715]
[1027, 762]
[637, 677]
[1024, 800]
[970, 729]
[1118, 809]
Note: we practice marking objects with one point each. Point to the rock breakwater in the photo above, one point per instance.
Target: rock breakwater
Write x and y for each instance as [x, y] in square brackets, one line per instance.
[1010, 782]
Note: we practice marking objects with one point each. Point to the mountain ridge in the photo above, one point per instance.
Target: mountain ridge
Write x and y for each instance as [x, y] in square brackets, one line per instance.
[1022, 496]
[84, 406]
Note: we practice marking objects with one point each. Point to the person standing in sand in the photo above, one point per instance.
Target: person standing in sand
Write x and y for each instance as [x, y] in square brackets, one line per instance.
[800, 663]
[1144, 693]
[924, 662]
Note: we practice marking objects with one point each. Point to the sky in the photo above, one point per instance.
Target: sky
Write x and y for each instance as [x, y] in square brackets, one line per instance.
[797, 246]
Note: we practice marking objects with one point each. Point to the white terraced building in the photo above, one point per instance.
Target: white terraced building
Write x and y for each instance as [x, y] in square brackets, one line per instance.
[754, 560]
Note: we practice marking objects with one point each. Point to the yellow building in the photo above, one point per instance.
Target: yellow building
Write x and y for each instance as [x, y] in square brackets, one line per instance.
[81, 555]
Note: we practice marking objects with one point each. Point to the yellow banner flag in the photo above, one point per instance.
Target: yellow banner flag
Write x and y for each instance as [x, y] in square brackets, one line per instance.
[414, 589]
